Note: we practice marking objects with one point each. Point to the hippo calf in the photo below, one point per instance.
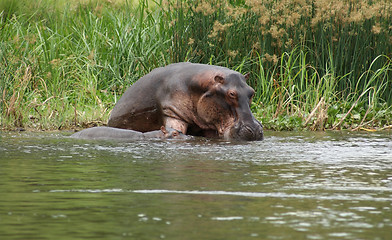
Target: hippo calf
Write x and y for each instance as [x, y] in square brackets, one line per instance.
[125, 134]
[195, 99]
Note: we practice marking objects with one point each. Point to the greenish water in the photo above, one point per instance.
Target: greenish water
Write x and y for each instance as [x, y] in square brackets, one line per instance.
[290, 186]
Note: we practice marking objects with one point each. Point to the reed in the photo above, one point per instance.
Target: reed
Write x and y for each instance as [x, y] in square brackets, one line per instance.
[305, 55]
[68, 66]
[314, 64]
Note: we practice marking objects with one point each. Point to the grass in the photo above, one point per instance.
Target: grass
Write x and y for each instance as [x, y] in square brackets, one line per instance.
[314, 65]
[71, 71]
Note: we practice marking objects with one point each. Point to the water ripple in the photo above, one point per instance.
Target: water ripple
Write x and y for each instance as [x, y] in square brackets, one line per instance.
[343, 197]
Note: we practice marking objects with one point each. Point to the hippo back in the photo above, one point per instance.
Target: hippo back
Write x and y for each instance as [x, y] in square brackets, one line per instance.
[140, 107]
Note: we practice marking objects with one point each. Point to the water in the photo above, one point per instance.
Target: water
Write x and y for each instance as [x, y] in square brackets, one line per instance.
[290, 186]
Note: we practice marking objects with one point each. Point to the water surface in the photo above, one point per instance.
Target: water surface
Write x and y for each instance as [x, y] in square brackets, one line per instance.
[292, 185]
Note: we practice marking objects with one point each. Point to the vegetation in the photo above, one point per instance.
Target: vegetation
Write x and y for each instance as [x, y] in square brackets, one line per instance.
[314, 64]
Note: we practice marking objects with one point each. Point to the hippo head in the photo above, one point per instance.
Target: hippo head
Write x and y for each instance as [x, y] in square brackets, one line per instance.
[170, 133]
[226, 106]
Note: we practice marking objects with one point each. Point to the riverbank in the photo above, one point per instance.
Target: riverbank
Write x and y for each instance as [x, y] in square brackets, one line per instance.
[64, 65]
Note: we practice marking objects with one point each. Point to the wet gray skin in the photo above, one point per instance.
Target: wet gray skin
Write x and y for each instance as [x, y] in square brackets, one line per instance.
[126, 134]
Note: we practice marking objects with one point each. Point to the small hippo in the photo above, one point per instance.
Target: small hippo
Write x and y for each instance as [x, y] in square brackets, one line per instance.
[126, 134]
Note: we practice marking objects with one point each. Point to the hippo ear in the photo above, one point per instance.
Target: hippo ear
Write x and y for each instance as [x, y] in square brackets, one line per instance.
[219, 79]
[163, 129]
[247, 76]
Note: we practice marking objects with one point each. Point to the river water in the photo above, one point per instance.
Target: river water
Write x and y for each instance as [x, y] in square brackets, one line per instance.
[292, 185]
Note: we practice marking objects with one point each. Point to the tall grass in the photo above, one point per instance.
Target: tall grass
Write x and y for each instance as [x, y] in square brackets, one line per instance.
[316, 56]
[347, 33]
[70, 66]
[315, 64]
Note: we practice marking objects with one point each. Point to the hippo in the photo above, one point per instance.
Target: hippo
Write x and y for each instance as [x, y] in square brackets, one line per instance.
[126, 134]
[195, 99]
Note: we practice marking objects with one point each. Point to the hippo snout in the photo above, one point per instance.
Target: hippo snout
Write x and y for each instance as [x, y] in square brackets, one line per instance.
[252, 131]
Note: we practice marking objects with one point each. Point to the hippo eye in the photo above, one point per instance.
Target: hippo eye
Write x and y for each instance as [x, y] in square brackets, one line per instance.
[175, 134]
[251, 95]
[232, 94]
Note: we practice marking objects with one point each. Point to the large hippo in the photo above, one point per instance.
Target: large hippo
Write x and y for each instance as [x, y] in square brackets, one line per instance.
[126, 134]
[196, 99]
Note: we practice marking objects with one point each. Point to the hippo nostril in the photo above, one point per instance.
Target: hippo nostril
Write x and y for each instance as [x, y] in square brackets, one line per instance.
[251, 132]
[247, 132]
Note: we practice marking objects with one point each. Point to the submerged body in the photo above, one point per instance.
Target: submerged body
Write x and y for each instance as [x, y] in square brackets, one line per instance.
[126, 134]
[195, 99]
